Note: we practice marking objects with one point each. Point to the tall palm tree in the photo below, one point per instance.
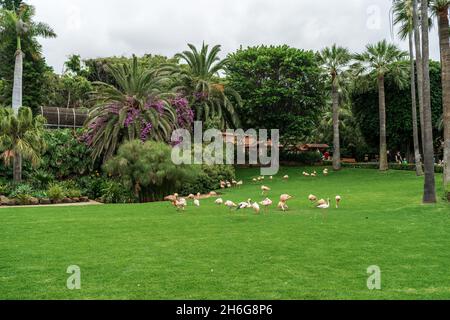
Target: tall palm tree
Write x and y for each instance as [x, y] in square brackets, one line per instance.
[375, 63]
[21, 134]
[335, 61]
[140, 107]
[21, 23]
[440, 9]
[201, 81]
[429, 194]
[404, 17]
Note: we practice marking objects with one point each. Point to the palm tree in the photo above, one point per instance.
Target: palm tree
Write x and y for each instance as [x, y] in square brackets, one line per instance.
[21, 23]
[404, 17]
[141, 107]
[440, 9]
[21, 134]
[335, 62]
[210, 96]
[375, 63]
[429, 195]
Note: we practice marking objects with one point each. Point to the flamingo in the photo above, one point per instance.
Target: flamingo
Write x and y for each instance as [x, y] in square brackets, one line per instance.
[245, 205]
[222, 184]
[325, 172]
[271, 178]
[283, 206]
[197, 200]
[265, 190]
[321, 202]
[256, 208]
[285, 198]
[180, 204]
[255, 180]
[324, 205]
[213, 194]
[191, 197]
[240, 183]
[230, 204]
[219, 201]
[266, 203]
[286, 177]
[305, 174]
[312, 198]
[338, 200]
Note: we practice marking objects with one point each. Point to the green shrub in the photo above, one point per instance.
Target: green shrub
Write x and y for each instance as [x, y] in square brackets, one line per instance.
[5, 189]
[92, 185]
[115, 192]
[22, 193]
[42, 178]
[209, 179]
[73, 193]
[302, 158]
[66, 156]
[56, 192]
[148, 170]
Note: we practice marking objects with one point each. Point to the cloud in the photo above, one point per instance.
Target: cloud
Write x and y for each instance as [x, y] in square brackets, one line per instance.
[95, 28]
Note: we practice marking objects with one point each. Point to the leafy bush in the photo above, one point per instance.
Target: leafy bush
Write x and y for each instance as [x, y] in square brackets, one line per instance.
[66, 156]
[56, 192]
[41, 179]
[115, 192]
[92, 186]
[209, 179]
[148, 170]
[22, 193]
[392, 166]
[303, 158]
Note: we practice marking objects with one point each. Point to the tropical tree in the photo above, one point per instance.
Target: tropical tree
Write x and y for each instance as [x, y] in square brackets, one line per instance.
[335, 62]
[375, 63]
[21, 23]
[429, 195]
[140, 107]
[440, 9]
[148, 170]
[21, 135]
[404, 17]
[209, 95]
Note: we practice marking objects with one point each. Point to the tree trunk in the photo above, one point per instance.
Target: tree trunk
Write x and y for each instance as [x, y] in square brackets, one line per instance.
[444, 45]
[419, 64]
[429, 194]
[17, 88]
[417, 159]
[384, 166]
[336, 134]
[17, 168]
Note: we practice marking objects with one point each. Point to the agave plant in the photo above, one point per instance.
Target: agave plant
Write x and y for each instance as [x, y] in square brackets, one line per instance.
[209, 95]
[140, 107]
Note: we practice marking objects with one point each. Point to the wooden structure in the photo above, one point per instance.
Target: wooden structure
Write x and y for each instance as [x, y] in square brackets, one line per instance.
[64, 117]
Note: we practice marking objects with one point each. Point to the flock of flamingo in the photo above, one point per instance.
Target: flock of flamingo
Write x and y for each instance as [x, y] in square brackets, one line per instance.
[181, 203]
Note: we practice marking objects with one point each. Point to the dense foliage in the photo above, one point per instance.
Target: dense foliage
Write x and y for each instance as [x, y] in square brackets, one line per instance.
[398, 111]
[148, 170]
[281, 88]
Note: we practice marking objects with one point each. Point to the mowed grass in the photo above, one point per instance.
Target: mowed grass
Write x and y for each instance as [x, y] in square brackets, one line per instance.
[150, 251]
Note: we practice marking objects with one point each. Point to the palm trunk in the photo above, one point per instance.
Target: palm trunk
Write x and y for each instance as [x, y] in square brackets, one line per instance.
[384, 166]
[18, 73]
[429, 194]
[419, 64]
[16, 104]
[336, 134]
[444, 45]
[17, 168]
[418, 161]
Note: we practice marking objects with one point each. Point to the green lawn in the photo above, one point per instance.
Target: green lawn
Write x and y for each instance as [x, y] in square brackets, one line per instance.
[152, 252]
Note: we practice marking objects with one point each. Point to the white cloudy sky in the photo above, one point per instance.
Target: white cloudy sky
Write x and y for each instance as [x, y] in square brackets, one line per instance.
[94, 28]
